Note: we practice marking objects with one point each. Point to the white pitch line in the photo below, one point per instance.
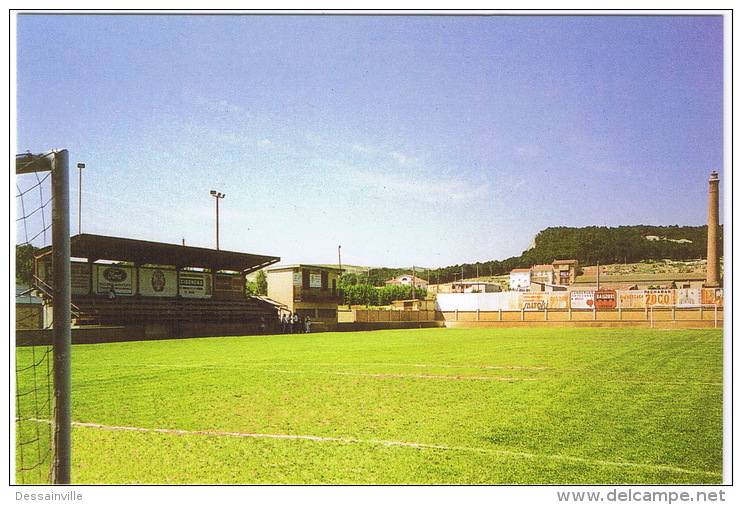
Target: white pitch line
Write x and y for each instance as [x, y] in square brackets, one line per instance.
[675, 383]
[417, 376]
[361, 374]
[417, 365]
[557, 457]
[250, 366]
[204, 365]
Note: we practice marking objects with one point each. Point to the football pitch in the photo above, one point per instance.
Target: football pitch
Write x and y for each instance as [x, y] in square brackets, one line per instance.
[424, 406]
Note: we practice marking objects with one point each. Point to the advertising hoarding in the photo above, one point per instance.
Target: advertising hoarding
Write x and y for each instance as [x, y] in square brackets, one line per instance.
[605, 299]
[194, 284]
[510, 300]
[581, 299]
[118, 278]
[712, 296]
[534, 300]
[631, 299]
[79, 278]
[227, 286]
[559, 300]
[158, 282]
[659, 297]
[544, 300]
[688, 297]
[315, 280]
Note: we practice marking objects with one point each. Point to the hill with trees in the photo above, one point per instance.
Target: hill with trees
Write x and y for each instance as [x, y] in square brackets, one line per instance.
[589, 245]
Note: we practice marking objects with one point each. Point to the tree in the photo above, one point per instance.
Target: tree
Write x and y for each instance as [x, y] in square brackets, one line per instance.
[24, 263]
[261, 281]
[259, 286]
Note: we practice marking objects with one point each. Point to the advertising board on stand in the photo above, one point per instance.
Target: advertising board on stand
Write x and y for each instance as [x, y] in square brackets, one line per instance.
[79, 278]
[509, 300]
[605, 299]
[315, 280]
[228, 286]
[712, 296]
[659, 297]
[688, 297]
[118, 279]
[194, 284]
[544, 300]
[534, 300]
[158, 282]
[631, 299]
[582, 299]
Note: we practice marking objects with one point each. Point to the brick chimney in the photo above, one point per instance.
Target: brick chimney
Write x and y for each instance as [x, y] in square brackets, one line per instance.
[712, 248]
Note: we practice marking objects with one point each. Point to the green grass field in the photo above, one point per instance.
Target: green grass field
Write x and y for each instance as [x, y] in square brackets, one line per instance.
[429, 406]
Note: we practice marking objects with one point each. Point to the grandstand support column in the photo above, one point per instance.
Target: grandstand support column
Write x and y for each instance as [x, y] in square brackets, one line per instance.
[137, 290]
[62, 330]
[712, 247]
[91, 265]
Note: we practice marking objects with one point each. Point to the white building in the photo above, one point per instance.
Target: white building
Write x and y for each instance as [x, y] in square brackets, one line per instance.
[475, 287]
[520, 279]
[407, 280]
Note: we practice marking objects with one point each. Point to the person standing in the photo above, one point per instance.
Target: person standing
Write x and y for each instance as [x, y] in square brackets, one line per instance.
[307, 325]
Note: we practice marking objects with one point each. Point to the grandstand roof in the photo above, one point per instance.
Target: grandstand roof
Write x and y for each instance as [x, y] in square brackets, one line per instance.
[142, 252]
[304, 266]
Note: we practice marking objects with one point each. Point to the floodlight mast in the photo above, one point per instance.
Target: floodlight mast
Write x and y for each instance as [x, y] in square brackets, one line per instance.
[80, 166]
[218, 196]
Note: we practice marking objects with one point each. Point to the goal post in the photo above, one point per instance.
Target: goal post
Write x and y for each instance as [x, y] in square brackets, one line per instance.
[62, 331]
[57, 162]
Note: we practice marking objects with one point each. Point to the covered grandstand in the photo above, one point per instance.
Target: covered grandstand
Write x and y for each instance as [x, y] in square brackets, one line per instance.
[160, 288]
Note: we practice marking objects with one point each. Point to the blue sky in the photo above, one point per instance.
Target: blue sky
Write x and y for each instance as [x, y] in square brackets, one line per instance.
[407, 140]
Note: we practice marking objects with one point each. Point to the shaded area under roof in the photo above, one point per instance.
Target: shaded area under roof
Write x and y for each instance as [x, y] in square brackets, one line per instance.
[142, 252]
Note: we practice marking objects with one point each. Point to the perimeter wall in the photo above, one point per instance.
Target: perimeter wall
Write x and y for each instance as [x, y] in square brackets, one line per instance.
[661, 308]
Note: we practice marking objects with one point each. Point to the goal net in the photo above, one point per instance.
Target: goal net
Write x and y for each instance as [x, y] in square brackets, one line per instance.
[42, 317]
